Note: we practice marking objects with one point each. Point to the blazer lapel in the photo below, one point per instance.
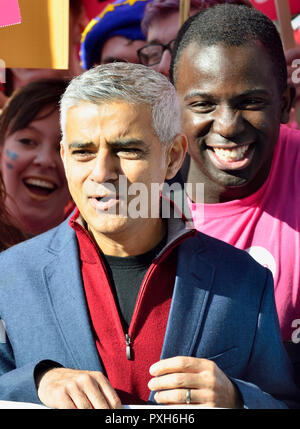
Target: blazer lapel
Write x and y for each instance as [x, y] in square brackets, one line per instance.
[63, 279]
[194, 281]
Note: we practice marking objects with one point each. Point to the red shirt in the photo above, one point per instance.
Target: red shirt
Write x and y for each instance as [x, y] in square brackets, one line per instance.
[148, 325]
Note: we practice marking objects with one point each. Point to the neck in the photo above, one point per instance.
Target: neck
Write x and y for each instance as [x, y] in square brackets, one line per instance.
[134, 241]
[215, 193]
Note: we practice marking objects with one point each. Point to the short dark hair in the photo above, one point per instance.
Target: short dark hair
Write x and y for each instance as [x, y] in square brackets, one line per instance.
[27, 102]
[232, 25]
[162, 8]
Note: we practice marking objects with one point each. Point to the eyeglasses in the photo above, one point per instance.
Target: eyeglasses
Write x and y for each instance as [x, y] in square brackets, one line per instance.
[151, 54]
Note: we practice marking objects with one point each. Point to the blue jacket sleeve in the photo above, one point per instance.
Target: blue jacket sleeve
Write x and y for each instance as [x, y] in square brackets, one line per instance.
[16, 383]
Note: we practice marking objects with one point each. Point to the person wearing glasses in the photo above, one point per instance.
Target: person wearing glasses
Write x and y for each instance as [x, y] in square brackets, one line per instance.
[160, 25]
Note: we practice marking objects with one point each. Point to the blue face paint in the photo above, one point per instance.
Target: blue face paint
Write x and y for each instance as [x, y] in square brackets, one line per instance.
[8, 165]
[12, 155]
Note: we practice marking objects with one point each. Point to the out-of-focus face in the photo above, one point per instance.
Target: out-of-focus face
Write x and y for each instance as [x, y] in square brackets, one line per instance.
[109, 150]
[33, 174]
[164, 30]
[232, 109]
[119, 48]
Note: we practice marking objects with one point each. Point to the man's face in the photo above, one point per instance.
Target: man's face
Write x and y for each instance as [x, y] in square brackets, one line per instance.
[231, 112]
[119, 48]
[163, 30]
[104, 142]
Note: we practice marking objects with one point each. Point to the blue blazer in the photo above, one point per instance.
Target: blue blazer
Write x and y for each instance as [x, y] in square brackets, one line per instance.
[222, 309]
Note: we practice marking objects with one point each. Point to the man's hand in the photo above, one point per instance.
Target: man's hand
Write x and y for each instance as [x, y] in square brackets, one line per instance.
[69, 388]
[209, 386]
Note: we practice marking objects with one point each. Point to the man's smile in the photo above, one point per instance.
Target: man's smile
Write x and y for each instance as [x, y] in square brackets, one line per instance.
[231, 157]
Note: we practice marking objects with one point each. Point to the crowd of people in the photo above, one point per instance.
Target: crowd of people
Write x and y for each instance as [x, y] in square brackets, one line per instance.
[103, 309]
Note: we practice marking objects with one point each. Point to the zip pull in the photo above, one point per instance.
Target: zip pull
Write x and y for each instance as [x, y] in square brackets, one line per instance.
[128, 348]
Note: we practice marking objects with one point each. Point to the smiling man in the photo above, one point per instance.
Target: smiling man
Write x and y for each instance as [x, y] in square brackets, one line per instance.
[128, 309]
[229, 70]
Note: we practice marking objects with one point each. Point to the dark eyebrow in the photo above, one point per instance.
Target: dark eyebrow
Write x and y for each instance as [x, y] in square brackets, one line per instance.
[79, 145]
[115, 143]
[196, 93]
[255, 91]
[126, 142]
[203, 94]
[153, 42]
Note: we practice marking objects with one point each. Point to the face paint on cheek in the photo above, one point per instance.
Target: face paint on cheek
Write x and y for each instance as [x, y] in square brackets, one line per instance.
[12, 155]
[8, 165]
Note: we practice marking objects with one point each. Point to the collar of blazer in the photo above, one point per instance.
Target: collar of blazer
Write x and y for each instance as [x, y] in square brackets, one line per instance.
[62, 276]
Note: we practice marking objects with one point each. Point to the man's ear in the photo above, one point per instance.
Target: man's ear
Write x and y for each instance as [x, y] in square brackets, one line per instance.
[175, 155]
[287, 100]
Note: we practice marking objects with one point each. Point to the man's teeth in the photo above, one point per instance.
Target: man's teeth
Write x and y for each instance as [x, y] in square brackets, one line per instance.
[39, 182]
[235, 154]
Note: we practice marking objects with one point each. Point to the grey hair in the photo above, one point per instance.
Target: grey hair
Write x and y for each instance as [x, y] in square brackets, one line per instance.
[132, 83]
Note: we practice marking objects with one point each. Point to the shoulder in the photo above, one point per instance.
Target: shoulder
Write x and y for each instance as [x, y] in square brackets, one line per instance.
[37, 248]
[202, 242]
[224, 270]
[25, 265]
[289, 136]
[224, 258]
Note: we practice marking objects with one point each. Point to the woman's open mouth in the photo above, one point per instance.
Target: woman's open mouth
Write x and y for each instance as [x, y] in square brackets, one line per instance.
[39, 189]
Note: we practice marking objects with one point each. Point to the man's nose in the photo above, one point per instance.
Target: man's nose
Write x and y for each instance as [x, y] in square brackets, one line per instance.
[106, 167]
[228, 122]
[164, 65]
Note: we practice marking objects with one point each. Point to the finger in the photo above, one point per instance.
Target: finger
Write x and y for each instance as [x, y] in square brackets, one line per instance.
[108, 392]
[175, 381]
[86, 390]
[93, 394]
[64, 402]
[97, 399]
[80, 399]
[178, 396]
[179, 364]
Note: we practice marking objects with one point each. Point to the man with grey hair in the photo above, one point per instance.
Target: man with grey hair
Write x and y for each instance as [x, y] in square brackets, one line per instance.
[113, 307]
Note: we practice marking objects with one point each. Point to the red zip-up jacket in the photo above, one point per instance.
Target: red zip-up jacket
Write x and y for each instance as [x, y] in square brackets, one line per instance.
[127, 356]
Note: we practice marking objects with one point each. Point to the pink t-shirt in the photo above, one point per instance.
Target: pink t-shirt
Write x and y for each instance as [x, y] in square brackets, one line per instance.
[267, 225]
